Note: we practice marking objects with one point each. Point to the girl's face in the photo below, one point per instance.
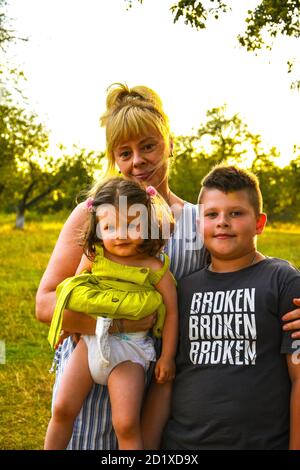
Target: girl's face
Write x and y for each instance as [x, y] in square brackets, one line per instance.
[144, 160]
[120, 232]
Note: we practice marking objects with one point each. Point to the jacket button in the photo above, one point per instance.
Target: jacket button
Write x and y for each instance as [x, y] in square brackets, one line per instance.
[144, 270]
[115, 299]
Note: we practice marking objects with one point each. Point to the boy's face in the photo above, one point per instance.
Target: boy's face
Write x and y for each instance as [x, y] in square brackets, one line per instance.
[230, 224]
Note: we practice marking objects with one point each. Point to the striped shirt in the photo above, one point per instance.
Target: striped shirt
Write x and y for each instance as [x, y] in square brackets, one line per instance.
[93, 426]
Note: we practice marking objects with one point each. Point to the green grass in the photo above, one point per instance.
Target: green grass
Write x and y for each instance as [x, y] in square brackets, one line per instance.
[25, 383]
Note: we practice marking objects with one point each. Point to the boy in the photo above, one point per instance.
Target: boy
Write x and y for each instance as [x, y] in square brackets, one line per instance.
[238, 381]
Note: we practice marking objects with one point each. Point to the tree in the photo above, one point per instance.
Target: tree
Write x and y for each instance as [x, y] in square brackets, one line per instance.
[6, 34]
[54, 182]
[274, 17]
[221, 138]
[28, 173]
[277, 17]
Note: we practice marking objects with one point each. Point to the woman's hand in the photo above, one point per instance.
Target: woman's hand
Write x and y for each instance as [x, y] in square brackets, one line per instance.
[293, 319]
[133, 326]
[64, 335]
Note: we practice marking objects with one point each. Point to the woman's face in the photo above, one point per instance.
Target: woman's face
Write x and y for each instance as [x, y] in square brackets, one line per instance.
[144, 159]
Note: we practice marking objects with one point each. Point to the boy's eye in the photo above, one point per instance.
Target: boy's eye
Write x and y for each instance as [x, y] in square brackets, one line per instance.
[236, 213]
[211, 215]
[149, 147]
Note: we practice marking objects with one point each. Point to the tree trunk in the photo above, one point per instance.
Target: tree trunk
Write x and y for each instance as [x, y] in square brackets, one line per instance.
[20, 218]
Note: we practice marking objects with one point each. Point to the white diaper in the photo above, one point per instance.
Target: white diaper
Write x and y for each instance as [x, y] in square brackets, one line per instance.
[103, 357]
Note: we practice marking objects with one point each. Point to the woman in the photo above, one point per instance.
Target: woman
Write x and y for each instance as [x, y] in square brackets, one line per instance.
[139, 145]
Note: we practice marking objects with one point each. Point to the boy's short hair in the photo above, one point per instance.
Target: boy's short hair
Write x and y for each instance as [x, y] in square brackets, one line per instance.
[229, 179]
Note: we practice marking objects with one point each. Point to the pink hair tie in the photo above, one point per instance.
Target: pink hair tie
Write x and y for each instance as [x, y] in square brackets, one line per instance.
[90, 204]
[151, 191]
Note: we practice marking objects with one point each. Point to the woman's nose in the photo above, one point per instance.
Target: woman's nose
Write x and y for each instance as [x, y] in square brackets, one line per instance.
[137, 159]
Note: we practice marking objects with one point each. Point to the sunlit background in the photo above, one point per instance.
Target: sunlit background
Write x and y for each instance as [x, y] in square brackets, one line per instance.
[76, 49]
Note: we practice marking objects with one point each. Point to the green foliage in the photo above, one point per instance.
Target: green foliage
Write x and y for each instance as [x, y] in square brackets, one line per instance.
[219, 139]
[277, 17]
[5, 34]
[227, 139]
[195, 13]
[29, 175]
[274, 17]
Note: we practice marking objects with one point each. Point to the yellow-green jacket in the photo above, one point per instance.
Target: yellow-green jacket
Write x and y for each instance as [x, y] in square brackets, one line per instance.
[112, 290]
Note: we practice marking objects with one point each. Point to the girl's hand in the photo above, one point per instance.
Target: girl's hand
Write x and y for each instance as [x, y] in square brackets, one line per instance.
[164, 370]
[293, 319]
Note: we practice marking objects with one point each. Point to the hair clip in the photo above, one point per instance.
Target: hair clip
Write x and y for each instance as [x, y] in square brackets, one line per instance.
[90, 204]
[151, 191]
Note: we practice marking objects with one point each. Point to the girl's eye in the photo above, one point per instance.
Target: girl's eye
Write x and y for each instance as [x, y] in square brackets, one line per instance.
[109, 228]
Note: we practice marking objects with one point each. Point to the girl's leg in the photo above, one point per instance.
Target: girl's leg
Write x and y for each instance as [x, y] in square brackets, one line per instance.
[126, 385]
[156, 412]
[75, 384]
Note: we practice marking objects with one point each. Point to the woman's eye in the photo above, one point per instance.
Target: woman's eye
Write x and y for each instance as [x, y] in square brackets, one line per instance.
[125, 154]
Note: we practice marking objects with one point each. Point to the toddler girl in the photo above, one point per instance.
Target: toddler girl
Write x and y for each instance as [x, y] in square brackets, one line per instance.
[120, 277]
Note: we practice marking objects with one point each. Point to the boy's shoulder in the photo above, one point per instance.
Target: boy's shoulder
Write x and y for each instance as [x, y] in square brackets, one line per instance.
[282, 265]
[284, 271]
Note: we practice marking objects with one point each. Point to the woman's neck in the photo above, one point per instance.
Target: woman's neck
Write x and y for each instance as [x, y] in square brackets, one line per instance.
[168, 195]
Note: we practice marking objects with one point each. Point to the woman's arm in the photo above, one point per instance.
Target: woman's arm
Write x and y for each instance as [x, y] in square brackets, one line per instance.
[293, 319]
[165, 367]
[63, 263]
[294, 372]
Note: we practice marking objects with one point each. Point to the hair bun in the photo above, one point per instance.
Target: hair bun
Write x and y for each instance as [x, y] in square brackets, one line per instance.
[120, 95]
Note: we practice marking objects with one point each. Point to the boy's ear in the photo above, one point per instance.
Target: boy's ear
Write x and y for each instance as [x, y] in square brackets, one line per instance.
[260, 223]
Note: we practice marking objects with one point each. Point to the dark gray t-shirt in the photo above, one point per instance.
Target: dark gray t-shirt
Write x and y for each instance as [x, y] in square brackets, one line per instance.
[232, 387]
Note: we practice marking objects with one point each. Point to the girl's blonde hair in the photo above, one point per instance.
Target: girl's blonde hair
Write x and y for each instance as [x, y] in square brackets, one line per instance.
[131, 113]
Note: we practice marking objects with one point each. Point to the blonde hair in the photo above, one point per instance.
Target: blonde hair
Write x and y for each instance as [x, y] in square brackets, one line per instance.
[131, 113]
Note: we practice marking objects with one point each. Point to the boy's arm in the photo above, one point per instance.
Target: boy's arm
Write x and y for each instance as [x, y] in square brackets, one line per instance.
[294, 373]
[166, 287]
